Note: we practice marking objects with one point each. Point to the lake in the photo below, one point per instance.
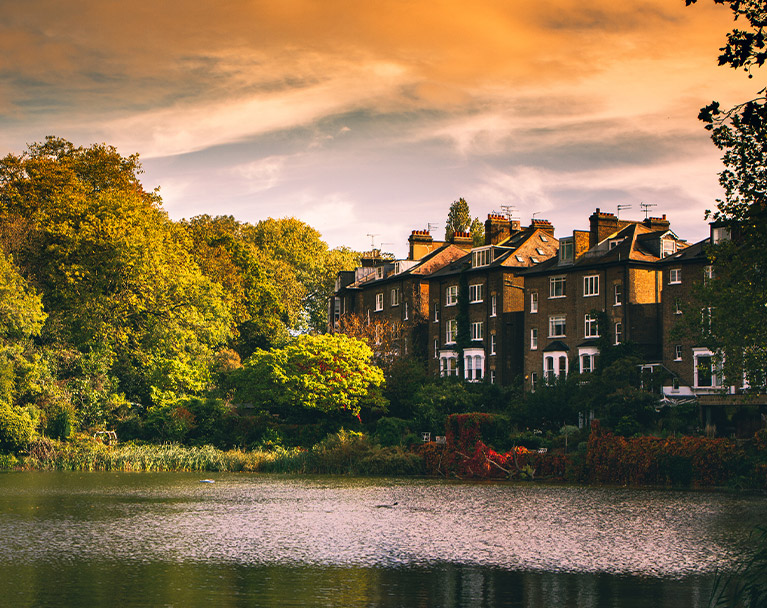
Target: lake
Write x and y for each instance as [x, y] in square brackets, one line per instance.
[165, 539]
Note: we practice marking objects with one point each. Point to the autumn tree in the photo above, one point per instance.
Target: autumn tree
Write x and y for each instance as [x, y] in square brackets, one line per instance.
[115, 275]
[740, 263]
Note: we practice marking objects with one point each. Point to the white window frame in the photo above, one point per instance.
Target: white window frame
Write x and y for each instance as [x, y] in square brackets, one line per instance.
[473, 364]
[618, 294]
[566, 249]
[533, 302]
[618, 332]
[477, 331]
[678, 352]
[451, 329]
[395, 296]
[379, 302]
[553, 365]
[480, 257]
[436, 348]
[557, 321]
[476, 293]
[557, 287]
[493, 305]
[448, 363]
[436, 312]
[668, 247]
[716, 372]
[492, 344]
[677, 306]
[406, 311]
[587, 359]
[533, 338]
[451, 295]
[674, 276]
[590, 285]
[590, 326]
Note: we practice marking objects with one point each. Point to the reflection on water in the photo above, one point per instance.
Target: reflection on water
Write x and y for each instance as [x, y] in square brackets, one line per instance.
[166, 539]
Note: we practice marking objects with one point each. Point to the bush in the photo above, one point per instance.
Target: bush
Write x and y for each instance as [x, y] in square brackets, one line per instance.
[16, 428]
[392, 431]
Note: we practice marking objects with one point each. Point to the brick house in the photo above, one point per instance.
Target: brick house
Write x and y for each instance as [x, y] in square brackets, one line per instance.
[611, 269]
[393, 294]
[495, 302]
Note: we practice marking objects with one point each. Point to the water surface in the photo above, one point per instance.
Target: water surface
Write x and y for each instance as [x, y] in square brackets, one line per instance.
[71, 539]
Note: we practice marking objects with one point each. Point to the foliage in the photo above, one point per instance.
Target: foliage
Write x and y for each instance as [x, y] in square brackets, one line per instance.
[383, 337]
[740, 265]
[113, 270]
[328, 373]
[458, 218]
[16, 428]
[746, 587]
[477, 231]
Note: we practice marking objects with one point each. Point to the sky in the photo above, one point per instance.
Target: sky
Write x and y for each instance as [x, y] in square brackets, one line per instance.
[367, 120]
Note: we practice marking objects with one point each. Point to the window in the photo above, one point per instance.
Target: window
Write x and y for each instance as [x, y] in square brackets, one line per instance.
[533, 381]
[492, 376]
[618, 333]
[675, 275]
[395, 296]
[520, 259]
[379, 301]
[543, 237]
[480, 258]
[591, 285]
[591, 327]
[492, 344]
[493, 305]
[534, 338]
[557, 326]
[618, 294]
[534, 302]
[588, 362]
[379, 272]
[533, 259]
[554, 365]
[719, 234]
[557, 287]
[436, 349]
[451, 329]
[539, 251]
[476, 293]
[706, 372]
[451, 295]
[708, 273]
[566, 250]
[678, 352]
[436, 312]
[474, 365]
[448, 365]
[477, 332]
[614, 243]
[677, 306]
[669, 247]
[406, 311]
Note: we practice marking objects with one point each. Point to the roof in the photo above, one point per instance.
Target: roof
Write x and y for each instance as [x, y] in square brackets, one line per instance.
[633, 246]
[556, 346]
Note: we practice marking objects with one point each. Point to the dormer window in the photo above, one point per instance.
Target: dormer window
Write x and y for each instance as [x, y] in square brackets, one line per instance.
[533, 260]
[566, 250]
[520, 259]
[544, 238]
[480, 257]
[669, 247]
[613, 243]
[379, 272]
[720, 234]
[539, 251]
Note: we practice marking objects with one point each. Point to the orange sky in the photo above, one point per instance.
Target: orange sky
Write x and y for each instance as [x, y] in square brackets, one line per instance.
[371, 118]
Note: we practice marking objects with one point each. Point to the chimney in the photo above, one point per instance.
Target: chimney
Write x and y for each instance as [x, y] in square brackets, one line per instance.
[463, 240]
[421, 243]
[497, 228]
[601, 226]
[369, 259]
[657, 223]
[544, 225]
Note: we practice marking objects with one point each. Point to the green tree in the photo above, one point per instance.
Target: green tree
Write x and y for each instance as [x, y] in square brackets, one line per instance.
[113, 270]
[740, 265]
[458, 218]
[326, 373]
[477, 231]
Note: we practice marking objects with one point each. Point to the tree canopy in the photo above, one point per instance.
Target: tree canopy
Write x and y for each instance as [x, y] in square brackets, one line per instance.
[328, 373]
[740, 264]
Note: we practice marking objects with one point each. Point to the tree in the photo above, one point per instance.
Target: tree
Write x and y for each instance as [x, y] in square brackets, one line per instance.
[740, 265]
[114, 272]
[327, 373]
[477, 231]
[458, 218]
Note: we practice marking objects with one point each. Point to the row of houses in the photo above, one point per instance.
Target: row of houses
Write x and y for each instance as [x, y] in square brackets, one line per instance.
[535, 301]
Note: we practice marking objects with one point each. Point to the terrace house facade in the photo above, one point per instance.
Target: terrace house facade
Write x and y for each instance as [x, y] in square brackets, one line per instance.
[494, 289]
[612, 271]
